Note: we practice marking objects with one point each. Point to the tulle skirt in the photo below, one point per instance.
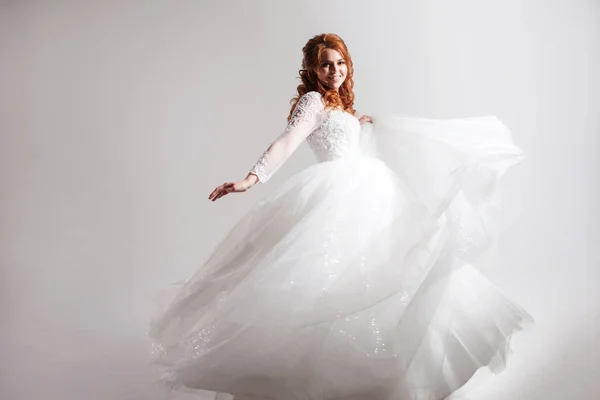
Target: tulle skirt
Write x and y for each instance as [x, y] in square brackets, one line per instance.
[357, 278]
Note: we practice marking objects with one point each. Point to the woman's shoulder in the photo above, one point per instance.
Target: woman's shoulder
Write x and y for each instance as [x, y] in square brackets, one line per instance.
[312, 95]
[308, 103]
[313, 99]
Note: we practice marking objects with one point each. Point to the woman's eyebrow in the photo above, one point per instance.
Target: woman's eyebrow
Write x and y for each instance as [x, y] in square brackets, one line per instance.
[326, 61]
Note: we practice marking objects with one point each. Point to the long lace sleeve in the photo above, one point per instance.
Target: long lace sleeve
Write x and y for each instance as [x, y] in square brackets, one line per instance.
[306, 117]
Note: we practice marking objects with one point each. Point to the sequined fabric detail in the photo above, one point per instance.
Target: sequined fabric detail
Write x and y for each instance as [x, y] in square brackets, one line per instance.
[191, 347]
[197, 343]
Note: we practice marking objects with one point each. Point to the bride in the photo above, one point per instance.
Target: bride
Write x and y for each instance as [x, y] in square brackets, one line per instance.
[358, 277]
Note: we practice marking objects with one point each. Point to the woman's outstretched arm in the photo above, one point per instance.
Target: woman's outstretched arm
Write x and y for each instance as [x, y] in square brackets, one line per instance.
[306, 117]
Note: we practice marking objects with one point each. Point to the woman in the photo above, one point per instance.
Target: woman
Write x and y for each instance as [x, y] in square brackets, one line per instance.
[355, 279]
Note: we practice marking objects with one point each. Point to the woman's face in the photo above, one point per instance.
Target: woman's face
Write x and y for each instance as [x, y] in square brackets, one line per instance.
[333, 69]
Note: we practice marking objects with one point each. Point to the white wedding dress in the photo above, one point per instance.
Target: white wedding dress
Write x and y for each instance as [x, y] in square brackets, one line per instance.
[358, 277]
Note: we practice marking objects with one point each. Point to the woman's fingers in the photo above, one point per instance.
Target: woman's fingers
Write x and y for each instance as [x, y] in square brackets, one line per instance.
[217, 192]
[218, 195]
[225, 189]
[222, 192]
[214, 192]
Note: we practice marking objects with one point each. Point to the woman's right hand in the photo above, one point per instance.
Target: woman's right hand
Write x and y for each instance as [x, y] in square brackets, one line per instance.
[233, 187]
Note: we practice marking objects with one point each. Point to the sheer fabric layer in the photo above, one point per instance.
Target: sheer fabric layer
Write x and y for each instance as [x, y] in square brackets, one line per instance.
[358, 277]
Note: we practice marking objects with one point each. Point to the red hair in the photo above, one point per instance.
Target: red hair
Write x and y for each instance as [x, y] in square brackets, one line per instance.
[312, 57]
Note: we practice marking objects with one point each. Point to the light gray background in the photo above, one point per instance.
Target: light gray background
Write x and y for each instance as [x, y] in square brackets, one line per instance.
[119, 117]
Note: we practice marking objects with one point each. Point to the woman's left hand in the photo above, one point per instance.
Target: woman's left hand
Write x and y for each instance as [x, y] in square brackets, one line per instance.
[364, 119]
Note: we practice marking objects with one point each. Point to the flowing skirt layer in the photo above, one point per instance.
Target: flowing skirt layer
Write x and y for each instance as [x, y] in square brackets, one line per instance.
[357, 278]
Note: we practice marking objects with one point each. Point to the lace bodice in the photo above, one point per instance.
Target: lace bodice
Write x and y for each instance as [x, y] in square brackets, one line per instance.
[331, 134]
